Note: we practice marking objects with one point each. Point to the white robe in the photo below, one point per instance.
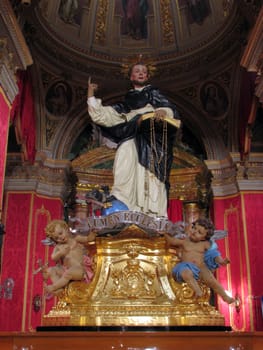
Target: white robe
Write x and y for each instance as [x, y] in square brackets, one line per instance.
[133, 184]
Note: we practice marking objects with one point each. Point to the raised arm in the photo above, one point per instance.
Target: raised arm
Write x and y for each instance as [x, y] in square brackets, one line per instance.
[174, 241]
[91, 88]
[84, 239]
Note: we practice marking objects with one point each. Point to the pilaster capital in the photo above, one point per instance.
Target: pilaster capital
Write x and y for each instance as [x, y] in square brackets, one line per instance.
[14, 52]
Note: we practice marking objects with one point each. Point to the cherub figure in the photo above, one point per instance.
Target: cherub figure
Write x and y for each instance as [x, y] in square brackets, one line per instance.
[193, 265]
[212, 257]
[69, 255]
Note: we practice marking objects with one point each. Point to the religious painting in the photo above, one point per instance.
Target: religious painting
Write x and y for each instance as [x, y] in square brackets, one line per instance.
[133, 17]
[214, 99]
[197, 10]
[59, 98]
[70, 11]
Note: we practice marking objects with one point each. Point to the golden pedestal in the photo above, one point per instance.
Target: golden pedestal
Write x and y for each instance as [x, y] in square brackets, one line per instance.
[132, 286]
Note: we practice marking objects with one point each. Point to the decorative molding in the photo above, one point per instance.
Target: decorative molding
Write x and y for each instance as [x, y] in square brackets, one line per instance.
[51, 177]
[167, 22]
[100, 32]
[249, 172]
[223, 177]
[8, 81]
[14, 52]
[16, 40]
[239, 176]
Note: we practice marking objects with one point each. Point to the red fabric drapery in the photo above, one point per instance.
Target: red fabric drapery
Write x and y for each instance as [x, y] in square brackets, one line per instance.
[175, 210]
[26, 216]
[253, 203]
[233, 277]
[4, 122]
[24, 115]
[241, 216]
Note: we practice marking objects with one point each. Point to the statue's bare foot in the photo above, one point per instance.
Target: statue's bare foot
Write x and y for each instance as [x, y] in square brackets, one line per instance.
[228, 299]
[225, 261]
[198, 294]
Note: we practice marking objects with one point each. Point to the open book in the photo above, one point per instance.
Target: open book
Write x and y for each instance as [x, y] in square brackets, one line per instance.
[175, 122]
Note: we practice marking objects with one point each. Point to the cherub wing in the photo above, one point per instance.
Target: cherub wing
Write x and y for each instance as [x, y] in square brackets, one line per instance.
[219, 234]
[48, 241]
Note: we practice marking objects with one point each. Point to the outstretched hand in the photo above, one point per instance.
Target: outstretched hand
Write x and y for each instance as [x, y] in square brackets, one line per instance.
[91, 88]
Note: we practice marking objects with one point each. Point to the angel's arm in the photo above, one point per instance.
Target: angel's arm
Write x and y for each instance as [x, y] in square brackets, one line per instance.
[59, 252]
[84, 239]
[174, 241]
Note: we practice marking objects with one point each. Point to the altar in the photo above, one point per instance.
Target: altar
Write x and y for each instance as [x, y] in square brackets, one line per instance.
[133, 286]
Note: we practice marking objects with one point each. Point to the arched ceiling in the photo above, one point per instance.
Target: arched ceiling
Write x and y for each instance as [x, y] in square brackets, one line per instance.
[114, 29]
[192, 44]
[84, 36]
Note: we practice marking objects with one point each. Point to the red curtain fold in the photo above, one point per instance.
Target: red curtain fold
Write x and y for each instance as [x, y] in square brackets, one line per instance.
[241, 216]
[175, 210]
[253, 209]
[4, 122]
[228, 216]
[23, 108]
[14, 256]
[26, 218]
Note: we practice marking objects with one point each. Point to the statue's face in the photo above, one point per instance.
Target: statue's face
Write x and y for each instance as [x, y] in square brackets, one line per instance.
[139, 75]
[60, 234]
[198, 233]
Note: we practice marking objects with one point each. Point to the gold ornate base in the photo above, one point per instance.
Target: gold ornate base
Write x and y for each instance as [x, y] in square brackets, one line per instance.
[133, 286]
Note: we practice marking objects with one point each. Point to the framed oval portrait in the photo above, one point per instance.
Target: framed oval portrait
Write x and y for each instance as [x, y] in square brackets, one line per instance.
[59, 98]
[214, 99]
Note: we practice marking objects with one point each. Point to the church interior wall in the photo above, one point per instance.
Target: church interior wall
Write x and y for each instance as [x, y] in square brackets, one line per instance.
[30, 201]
